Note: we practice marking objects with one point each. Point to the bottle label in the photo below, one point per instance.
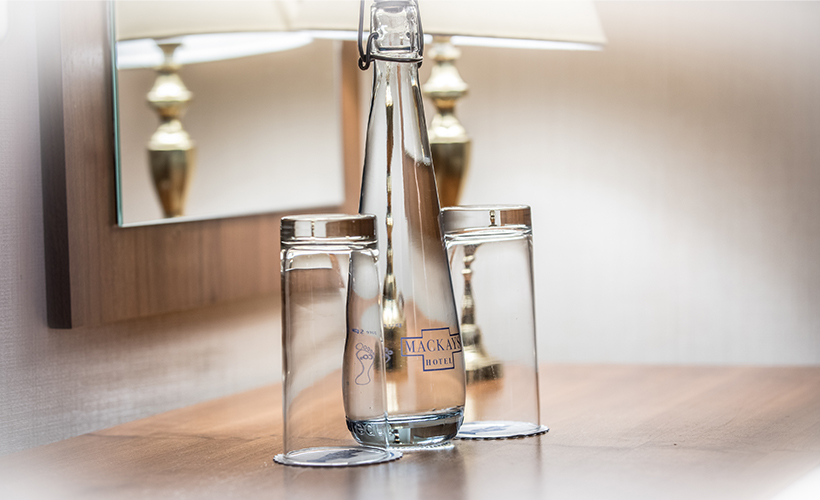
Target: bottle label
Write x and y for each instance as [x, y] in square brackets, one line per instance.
[435, 346]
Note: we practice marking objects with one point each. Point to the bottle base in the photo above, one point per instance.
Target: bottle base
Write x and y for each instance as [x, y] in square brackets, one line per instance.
[410, 432]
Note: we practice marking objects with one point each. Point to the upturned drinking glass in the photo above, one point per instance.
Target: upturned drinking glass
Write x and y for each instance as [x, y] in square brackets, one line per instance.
[424, 359]
[490, 250]
[332, 347]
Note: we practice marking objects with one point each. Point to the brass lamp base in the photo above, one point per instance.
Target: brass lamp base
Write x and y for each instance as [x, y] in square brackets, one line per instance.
[478, 364]
[450, 146]
[450, 161]
[171, 151]
[449, 142]
[171, 171]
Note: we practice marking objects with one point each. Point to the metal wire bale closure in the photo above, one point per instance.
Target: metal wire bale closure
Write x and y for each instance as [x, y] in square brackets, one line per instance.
[366, 55]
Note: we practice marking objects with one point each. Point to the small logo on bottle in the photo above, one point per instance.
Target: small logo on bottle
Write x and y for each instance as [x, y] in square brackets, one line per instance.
[435, 346]
[365, 356]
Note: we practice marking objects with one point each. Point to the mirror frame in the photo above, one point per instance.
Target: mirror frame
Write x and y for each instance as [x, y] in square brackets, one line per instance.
[98, 272]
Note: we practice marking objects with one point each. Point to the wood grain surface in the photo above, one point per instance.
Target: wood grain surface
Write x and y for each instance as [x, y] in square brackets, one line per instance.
[98, 272]
[615, 432]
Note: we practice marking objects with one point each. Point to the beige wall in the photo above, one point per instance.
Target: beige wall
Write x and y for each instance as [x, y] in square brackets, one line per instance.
[674, 179]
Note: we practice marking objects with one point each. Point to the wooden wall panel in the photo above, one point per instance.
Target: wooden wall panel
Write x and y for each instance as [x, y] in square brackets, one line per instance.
[52, 154]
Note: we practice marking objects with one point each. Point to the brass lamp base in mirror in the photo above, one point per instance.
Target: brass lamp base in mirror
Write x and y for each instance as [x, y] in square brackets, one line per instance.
[171, 151]
[171, 171]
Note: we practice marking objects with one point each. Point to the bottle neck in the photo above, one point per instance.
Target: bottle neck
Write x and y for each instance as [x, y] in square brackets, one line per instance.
[397, 110]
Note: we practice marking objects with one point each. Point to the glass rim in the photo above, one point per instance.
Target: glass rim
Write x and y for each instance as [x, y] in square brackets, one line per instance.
[471, 217]
[329, 228]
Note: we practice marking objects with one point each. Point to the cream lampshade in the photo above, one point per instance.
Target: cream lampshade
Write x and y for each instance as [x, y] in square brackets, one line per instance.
[573, 21]
[165, 19]
[206, 31]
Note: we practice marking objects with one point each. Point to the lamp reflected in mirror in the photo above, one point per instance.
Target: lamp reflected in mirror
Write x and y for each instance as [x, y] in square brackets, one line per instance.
[171, 151]
[264, 133]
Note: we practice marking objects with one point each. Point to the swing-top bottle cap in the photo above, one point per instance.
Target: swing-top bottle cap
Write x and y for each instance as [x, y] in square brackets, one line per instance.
[396, 22]
[482, 217]
[328, 229]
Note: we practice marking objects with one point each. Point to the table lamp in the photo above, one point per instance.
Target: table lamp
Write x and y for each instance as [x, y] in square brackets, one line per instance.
[514, 24]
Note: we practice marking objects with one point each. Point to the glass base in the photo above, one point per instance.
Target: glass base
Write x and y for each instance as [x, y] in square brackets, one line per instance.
[499, 429]
[337, 456]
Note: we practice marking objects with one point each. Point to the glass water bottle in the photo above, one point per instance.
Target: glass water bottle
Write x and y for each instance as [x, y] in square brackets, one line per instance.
[424, 361]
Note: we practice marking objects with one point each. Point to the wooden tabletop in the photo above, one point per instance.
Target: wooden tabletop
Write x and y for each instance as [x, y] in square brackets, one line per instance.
[615, 432]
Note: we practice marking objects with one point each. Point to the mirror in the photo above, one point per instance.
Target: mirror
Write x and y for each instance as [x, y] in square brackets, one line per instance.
[220, 113]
